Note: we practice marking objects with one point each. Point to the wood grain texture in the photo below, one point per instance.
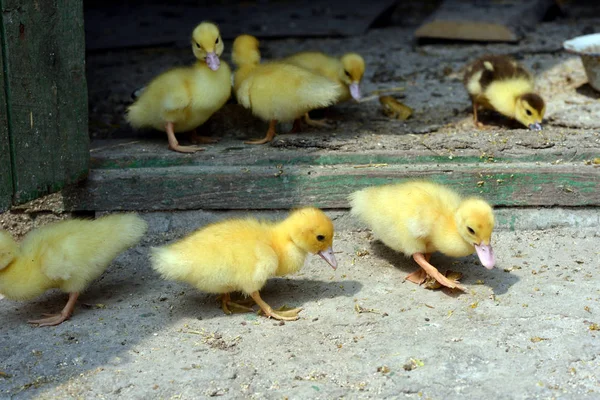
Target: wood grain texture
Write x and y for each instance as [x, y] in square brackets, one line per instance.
[283, 187]
[45, 74]
[6, 187]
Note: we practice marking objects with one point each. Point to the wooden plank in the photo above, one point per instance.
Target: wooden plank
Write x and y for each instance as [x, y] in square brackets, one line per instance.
[6, 186]
[45, 74]
[143, 23]
[282, 187]
[484, 20]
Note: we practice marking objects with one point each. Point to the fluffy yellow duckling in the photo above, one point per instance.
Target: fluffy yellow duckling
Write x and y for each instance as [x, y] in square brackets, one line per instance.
[418, 218]
[241, 254]
[183, 98]
[347, 71]
[499, 83]
[277, 91]
[66, 255]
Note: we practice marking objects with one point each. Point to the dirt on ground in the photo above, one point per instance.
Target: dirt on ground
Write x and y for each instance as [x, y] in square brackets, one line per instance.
[527, 329]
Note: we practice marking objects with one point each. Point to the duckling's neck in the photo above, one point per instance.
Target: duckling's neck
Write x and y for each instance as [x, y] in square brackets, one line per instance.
[291, 257]
[242, 72]
[448, 241]
[503, 95]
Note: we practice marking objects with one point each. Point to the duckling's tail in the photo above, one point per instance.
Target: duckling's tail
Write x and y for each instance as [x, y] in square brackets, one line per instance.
[9, 249]
[118, 232]
[136, 116]
[167, 263]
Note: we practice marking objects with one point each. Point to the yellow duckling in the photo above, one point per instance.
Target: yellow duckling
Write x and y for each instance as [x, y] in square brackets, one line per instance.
[183, 98]
[67, 255]
[241, 254]
[419, 218]
[499, 83]
[277, 91]
[347, 71]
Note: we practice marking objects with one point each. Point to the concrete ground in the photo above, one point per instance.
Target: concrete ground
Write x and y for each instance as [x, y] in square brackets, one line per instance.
[526, 329]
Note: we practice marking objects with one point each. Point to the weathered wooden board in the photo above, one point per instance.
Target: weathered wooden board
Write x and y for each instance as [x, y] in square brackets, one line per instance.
[6, 187]
[484, 20]
[43, 44]
[326, 186]
[140, 23]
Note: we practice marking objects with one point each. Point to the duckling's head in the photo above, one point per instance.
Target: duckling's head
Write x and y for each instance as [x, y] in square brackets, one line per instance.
[207, 44]
[354, 68]
[475, 223]
[245, 50]
[312, 231]
[530, 110]
[9, 249]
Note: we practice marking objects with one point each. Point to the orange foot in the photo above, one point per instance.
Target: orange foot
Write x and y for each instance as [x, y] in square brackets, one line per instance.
[288, 315]
[428, 269]
[195, 138]
[56, 319]
[269, 136]
[229, 307]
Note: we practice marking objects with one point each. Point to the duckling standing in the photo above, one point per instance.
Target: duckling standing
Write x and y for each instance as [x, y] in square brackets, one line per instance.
[499, 83]
[241, 254]
[183, 98]
[277, 91]
[419, 218]
[67, 255]
[347, 71]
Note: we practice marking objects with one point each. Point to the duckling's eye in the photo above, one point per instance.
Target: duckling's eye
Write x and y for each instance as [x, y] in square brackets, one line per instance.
[528, 112]
[347, 73]
[471, 231]
[217, 41]
[198, 45]
[320, 238]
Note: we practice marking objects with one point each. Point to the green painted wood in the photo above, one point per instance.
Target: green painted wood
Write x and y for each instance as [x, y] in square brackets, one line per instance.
[245, 156]
[43, 43]
[326, 186]
[6, 187]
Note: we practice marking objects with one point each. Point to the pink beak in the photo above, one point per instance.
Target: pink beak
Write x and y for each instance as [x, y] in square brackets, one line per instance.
[355, 91]
[486, 255]
[328, 256]
[212, 60]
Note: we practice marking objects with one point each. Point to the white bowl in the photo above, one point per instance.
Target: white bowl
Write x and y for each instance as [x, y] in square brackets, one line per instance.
[588, 47]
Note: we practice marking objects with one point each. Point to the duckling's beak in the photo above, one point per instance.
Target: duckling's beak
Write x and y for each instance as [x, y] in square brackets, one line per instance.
[535, 127]
[212, 60]
[328, 256]
[137, 93]
[486, 255]
[355, 91]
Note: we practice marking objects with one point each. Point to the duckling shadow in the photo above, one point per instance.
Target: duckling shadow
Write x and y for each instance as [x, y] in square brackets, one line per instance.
[277, 292]
[588, 91]
[497, 280]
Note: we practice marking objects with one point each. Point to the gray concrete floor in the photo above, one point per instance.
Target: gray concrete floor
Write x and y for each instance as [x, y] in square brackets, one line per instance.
[527, 329]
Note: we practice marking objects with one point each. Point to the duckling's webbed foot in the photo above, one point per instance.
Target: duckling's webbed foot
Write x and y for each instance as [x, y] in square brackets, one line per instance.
[174, 144]
[287, 315]
[319, 123]
[195, 138]
[270, 135]
[230, 307]
[430, 270]
[56, 319]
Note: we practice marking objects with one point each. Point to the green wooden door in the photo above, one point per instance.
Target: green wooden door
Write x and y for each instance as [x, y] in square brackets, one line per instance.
[43, 105]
